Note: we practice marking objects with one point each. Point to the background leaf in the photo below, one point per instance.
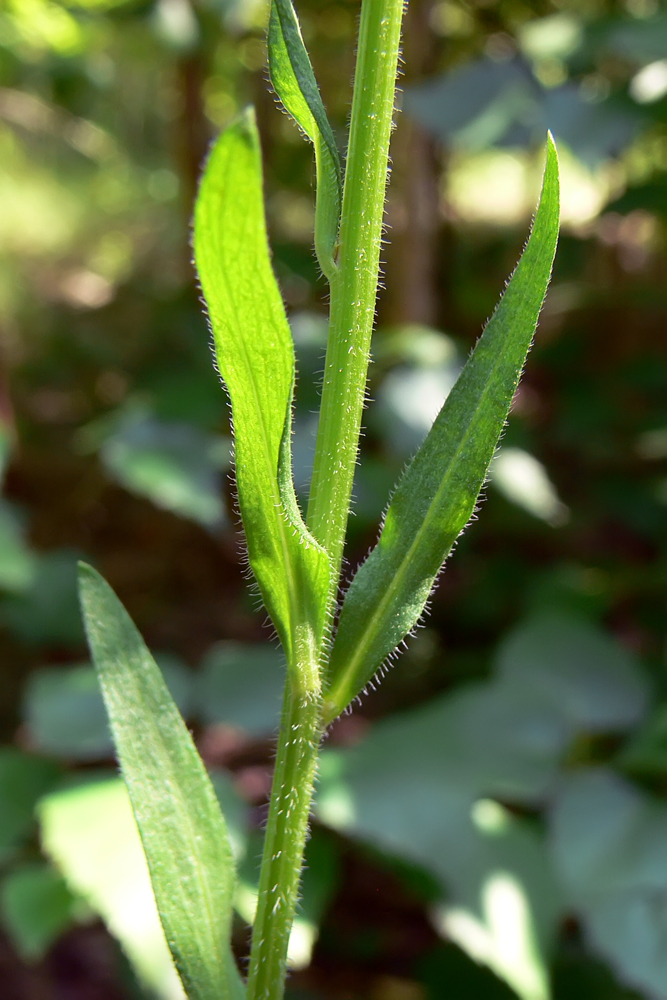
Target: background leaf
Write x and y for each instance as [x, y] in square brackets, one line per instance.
[436, 495]
[179, 819]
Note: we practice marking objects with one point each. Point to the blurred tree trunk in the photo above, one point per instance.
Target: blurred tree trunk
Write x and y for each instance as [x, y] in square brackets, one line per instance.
[410, 294]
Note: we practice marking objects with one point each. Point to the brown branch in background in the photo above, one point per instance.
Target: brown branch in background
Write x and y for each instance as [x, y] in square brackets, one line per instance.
[412, 214]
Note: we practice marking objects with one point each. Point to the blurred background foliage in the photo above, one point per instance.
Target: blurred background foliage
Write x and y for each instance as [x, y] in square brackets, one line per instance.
[492, 821]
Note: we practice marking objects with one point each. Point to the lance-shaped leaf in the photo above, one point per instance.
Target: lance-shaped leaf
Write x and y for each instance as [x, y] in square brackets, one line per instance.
[182, 829]
[255, 355]
[437, 493]
[295, 84]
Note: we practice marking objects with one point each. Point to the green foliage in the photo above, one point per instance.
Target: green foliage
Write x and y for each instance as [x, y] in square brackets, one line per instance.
[23, 781]
[294, 82]
[436, 495]
[255, 355]
[36, 907]
[105, 111]
[181, 826]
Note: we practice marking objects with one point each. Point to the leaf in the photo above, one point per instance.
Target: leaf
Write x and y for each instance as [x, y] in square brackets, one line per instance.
[65, 713]
[175, 465]
[23, 781]
[255, 354]
[179, 819]
[609, 844]
[91, 835]
[37, 907]
[295, 84]
[242, 685]
[437, 493]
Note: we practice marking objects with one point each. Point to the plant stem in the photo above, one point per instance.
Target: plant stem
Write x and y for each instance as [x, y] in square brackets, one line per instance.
[353, 293]
[284, 842]
[354, 285]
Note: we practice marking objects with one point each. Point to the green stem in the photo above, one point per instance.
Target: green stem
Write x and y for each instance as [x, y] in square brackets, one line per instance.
[284, 842]
[354, 284]
[353, 293]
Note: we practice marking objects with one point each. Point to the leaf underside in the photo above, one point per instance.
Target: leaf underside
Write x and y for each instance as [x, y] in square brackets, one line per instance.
[255, 355]
[183, 832]
[295, 84]
[437, 493]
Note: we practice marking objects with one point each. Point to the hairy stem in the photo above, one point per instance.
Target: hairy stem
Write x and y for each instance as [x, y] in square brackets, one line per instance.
[353, 294]
[284, 842]
[354, 284]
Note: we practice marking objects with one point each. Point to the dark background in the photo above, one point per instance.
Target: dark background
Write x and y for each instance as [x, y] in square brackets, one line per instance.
[521, 742]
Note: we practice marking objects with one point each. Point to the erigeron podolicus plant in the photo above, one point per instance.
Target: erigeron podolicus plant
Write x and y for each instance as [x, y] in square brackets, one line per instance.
[296, 556]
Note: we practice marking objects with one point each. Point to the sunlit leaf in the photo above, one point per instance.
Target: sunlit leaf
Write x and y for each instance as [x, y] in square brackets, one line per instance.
[255, 355]
[294, 81]
[436, 495]
[179, 819]
[90, 833]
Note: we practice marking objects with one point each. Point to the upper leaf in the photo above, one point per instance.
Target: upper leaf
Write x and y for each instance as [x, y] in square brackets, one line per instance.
[255, 355]
[182, 829]
[295, 84]
[436, 495]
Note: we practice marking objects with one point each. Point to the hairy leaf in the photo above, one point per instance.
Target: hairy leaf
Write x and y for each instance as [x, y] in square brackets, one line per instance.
[294, 82]
[437, 493]
[182, 829]
[255, 354]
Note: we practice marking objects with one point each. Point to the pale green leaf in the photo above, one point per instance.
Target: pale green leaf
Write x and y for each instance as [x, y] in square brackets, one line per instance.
[90, 833]
[255, 354]
[437, 493]
[182, 829]
[294, 82]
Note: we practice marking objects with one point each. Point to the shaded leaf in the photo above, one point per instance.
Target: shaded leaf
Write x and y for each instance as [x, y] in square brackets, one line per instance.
[436, 495]
[37, 907]
[47, 610]
[23, 780]
[65, 713]
[177, 466]
[242, 685]
[179, 819]
[609, 844]
[294, 82]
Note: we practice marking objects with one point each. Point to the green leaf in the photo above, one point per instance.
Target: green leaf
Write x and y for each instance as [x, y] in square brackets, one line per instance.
[295, 84]
[609, 845]
[255, 354]
[437, 493]
[241, 685]
[175, 806]
[37, 907]
[23, 781]
[90, 833]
